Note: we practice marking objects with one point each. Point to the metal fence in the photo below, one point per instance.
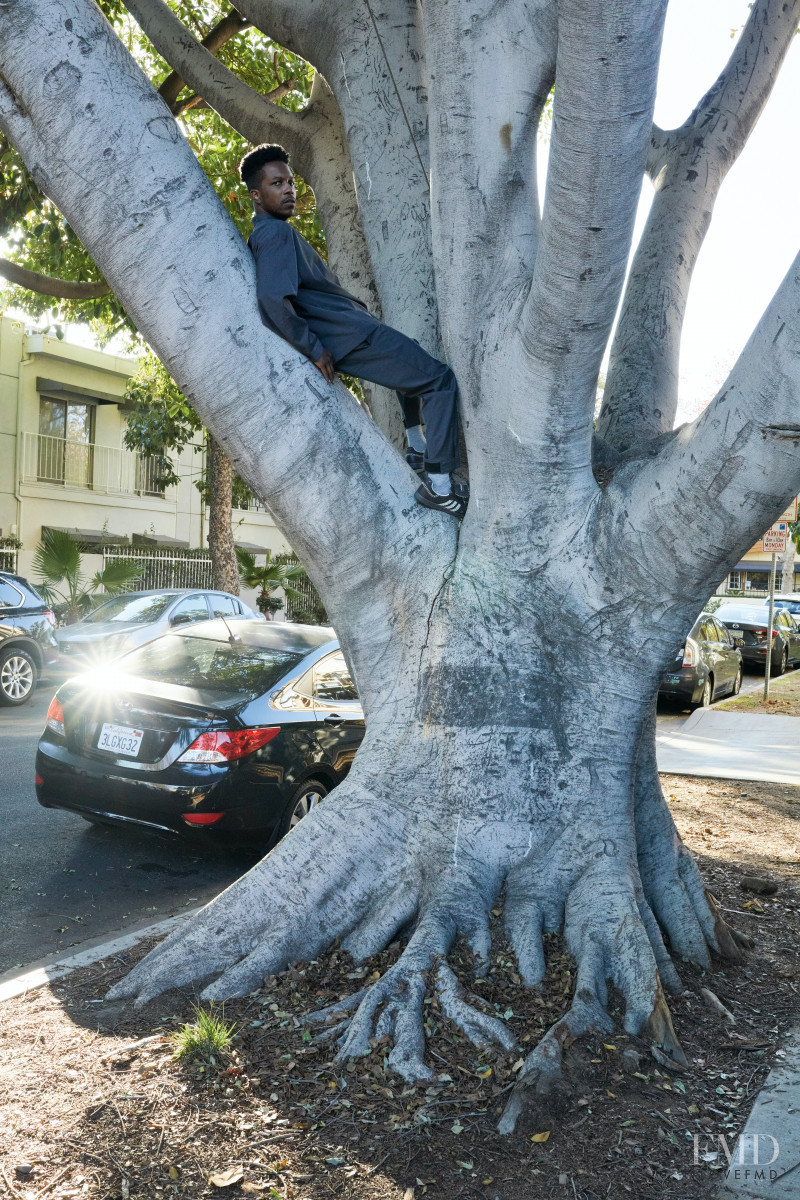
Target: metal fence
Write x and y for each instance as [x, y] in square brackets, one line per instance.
[8, 560]
[192, 568]
[309, 607]
[164, 568]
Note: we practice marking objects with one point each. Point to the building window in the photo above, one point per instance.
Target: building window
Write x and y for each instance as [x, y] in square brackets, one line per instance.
[65, 449]
[735, 581]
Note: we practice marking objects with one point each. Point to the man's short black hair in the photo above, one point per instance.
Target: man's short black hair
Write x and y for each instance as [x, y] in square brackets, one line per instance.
[253, 163]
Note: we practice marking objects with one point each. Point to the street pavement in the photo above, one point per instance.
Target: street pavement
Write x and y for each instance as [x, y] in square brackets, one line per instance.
[63, 881]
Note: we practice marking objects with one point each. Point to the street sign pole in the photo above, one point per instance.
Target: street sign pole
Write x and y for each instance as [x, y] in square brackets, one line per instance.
[768, 663]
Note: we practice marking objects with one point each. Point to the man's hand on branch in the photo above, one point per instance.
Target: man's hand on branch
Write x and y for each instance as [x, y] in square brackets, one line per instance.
[325, 366]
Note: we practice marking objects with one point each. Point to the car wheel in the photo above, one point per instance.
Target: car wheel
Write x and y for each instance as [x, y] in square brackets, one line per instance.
[17, 676]
[301, 803]
[781, 667]
[708, 694]
[737, 683]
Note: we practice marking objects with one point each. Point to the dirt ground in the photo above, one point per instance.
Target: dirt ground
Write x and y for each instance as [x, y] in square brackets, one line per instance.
[784, 698]
[91, 1115]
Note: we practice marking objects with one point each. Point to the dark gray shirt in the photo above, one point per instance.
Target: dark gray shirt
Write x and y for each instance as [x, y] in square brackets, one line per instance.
[299, 297]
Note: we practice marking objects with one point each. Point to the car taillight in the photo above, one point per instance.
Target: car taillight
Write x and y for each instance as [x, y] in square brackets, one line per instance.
[50, 617]
[55, 717]
[774, 633]
[224, 745]
[201, 818]
[689, 655]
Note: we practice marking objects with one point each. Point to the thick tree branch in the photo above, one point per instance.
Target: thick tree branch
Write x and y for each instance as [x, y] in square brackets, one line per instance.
[194, 101]
[731, 472]
[484, 159]
[46, 285]
[243, 107]
[606, 69]
[214, 40]
[688, 166]
[302, 26]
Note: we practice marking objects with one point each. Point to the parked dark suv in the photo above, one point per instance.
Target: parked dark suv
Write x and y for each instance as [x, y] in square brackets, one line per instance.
[27, 643]
[709, 665]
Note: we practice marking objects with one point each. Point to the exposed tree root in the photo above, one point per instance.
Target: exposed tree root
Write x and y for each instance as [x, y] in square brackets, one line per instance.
[320, 884]
[673, 887]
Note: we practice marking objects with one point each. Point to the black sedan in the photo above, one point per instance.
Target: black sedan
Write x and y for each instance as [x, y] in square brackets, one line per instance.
[707, 666]
[27, 641]
[223, 732]
[750, 623]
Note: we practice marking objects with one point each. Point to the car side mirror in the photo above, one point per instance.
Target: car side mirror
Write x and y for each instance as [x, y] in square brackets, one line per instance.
[181, 619]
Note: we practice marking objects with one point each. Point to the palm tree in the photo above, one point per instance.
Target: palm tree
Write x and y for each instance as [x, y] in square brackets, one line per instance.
[57, 564]
[268, 578]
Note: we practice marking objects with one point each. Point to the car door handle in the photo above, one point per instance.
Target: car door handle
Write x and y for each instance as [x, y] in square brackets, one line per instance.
[334, 719]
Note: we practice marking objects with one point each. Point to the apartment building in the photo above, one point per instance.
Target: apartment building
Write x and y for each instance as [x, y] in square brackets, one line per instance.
[63, 463]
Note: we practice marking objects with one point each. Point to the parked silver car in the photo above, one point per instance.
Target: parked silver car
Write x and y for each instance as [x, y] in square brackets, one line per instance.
[124, 622]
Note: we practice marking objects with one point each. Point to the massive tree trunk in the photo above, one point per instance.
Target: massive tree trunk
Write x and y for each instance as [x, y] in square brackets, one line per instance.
[224, 567]
[507, 666]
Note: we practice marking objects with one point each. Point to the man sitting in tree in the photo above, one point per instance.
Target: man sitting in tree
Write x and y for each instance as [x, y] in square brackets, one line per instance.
[303, 301]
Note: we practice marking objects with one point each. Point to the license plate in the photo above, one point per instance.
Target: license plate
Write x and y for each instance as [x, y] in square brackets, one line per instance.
[120, 739]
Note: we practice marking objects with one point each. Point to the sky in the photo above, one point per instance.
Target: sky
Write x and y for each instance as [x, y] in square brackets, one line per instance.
[755, 233]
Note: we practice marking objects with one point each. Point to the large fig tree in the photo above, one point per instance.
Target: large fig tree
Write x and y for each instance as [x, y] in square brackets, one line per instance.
[507, 666]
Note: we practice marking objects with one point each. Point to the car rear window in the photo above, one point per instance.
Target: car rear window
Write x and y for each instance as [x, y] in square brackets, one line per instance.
[136, 610]
[741, 612]
[208, 665]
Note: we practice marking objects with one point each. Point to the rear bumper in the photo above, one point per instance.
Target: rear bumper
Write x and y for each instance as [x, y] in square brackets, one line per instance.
[757, 655]
[159, 804]
[685, 684]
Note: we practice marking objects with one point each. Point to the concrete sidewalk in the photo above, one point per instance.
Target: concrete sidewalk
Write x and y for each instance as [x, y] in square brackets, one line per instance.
[731, 745]
[766, 1159]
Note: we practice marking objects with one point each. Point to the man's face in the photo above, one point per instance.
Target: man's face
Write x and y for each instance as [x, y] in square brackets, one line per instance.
[275, 192]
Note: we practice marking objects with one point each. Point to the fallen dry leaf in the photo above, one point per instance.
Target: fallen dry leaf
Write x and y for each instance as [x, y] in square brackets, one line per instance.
[227, 1178]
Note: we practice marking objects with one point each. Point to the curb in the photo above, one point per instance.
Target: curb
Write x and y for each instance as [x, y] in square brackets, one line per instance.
[768, 1148]
[15, 984]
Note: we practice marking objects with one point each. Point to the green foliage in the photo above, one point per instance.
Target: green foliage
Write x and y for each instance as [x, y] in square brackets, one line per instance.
[57, 564]
[208, 1035]
[268, 578]
[161, 421]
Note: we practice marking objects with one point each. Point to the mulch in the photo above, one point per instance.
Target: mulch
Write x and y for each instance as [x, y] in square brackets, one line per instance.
[91, 1114]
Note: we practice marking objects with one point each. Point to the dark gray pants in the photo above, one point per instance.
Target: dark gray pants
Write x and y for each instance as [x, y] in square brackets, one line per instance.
[426, 388]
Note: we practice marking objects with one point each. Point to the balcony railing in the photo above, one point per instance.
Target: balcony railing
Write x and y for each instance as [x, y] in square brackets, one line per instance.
[86, 466]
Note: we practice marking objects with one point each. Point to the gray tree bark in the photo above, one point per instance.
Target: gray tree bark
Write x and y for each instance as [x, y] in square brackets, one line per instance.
[513, 757]
[224, 566]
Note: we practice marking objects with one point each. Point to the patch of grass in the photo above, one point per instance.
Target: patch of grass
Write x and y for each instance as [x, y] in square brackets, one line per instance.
[784, 698]
[208, 1035]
